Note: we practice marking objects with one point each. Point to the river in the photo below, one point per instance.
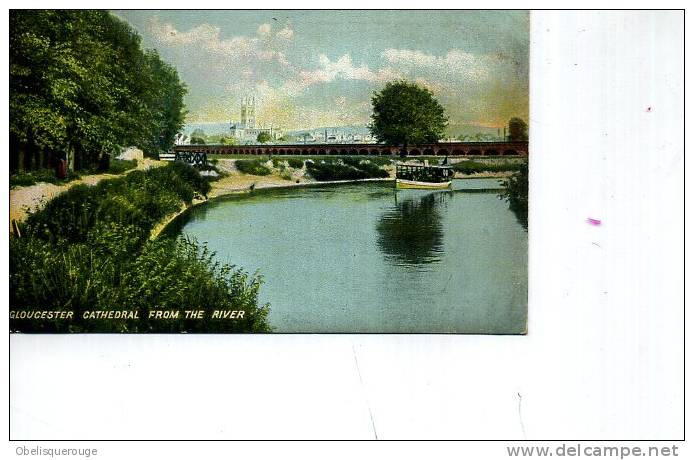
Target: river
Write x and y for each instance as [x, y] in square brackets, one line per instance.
[367, 258]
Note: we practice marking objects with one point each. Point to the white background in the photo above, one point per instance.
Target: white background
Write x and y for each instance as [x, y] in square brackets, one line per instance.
[603, 358]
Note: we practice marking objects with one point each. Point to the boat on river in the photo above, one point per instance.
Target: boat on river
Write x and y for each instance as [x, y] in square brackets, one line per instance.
[423, 176]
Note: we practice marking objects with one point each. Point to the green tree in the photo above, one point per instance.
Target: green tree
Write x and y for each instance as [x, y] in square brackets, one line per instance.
[263, 137]
[81, 87]
[517, 130]
[405, 113]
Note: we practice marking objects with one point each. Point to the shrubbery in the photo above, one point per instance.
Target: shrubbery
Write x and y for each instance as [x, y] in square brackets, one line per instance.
[252, 167]
[471, 167]
[516, 193]
[295, 163]
[89, 249]
[346, 168]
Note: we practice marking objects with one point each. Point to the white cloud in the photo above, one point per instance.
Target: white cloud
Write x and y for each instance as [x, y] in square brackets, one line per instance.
[342, 68]
[454, 64]
[208, 38]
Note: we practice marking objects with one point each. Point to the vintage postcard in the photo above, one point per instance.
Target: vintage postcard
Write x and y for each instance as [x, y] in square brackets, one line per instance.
[268, 171]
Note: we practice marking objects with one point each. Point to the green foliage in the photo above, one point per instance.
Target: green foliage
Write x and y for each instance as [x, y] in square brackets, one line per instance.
[517, 130]
[197, 140]
[117, 166]
[405, 113]
[22, 179]
[380, 161]
[25, 178]
[516, 193]
[89, 249]
[141, 199]
[471, 167]
[252, 167]
[81, 86]
[264, 137]
[345, 168]
[218, 139]
[295, 163]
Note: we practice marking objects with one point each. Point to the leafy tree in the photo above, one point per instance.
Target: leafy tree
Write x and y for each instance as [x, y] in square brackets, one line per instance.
[81, 87]
[517, 130]
[197, 140]
[405, 113]
[264, 137]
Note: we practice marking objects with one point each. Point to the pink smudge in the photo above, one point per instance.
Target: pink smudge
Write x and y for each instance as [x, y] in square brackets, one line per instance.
[648, 109]
[592, 221]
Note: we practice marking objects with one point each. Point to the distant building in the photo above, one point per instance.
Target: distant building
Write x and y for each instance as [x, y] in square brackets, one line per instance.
[246, 130]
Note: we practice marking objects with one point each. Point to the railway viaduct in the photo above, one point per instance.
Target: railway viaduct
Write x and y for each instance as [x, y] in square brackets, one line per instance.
[467, 149]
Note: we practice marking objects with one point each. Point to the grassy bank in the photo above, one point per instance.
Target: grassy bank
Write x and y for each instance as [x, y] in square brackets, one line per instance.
[88, 249]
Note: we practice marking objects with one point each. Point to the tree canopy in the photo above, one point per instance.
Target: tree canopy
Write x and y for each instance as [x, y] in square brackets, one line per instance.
[517, 130]
[82, 86]
[405, 113]
[264, 137]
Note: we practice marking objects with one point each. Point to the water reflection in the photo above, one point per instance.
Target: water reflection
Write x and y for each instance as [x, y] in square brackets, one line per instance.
[411, 232]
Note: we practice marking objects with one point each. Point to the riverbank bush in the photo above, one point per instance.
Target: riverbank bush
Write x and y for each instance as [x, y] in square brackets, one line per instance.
[345, 168]
[516, 193]
[295, 163]
[471, 167]
[89, 250]
[252, 167]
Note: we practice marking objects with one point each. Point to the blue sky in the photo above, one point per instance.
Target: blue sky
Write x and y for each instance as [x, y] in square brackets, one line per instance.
[320, 68]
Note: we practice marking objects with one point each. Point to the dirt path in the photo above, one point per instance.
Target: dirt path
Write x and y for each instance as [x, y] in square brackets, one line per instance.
[26, 199]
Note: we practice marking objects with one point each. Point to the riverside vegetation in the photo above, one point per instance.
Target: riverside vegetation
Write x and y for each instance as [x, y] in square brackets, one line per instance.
[89, 249]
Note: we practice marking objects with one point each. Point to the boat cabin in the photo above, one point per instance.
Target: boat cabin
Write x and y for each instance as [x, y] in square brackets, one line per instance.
[424, 173]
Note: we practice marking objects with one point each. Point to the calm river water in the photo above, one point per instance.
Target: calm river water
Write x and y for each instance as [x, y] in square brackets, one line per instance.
[367, 258]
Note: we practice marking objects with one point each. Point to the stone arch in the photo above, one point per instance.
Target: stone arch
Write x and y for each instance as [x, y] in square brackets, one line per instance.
[442, 152]
[457, 152]
[414, 152]
[374, 152]
[491, 152]
[510, 152]
[474, 152]
[429, 151]
[353, 152]
[321, 151]
[344, 152]
[363, 152]
[333, 152]
[304, 152]
[385, 152]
